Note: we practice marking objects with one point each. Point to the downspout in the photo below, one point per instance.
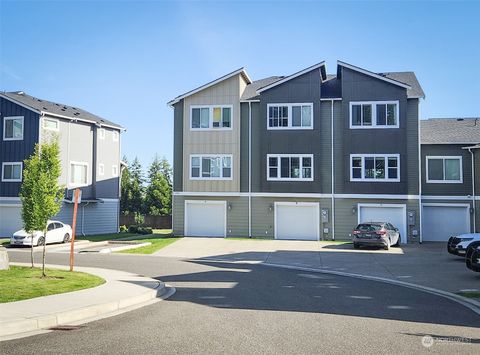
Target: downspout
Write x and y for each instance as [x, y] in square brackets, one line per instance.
[333, 175]
[420, 240]
[473, 190]
[249, 169]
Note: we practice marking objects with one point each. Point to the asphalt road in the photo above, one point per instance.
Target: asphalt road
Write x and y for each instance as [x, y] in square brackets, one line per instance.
[244, 308]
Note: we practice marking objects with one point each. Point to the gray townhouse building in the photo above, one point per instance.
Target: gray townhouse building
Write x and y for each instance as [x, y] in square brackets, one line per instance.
[90, 149]
[310, 155]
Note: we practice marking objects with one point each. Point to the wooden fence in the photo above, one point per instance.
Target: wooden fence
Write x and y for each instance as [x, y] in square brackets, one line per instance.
[159, 222]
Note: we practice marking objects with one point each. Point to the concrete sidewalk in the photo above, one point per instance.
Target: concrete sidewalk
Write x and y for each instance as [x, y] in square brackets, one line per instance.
[121, 292]
[427, 265]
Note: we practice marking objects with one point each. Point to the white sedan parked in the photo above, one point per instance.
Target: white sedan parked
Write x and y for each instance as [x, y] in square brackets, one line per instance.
[57, 232]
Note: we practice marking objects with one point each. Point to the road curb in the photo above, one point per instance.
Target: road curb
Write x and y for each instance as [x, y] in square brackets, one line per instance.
[466, 302]
[10, 329]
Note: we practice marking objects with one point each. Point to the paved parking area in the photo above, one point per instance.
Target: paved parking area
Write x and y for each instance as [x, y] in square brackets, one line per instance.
[427, 264]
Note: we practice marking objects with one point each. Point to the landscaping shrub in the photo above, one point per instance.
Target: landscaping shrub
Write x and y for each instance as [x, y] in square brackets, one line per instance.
[123, 229]
[145, 230]
[133, 228]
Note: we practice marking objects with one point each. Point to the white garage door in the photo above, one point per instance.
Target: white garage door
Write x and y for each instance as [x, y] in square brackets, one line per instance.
[299, 221]
[394, 214]
[441, 222]
[205, 218]
[10, 220]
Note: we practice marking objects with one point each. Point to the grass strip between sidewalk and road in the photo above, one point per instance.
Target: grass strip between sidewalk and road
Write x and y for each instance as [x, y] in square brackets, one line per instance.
[469, 294]
[157, 244]
[21, 283]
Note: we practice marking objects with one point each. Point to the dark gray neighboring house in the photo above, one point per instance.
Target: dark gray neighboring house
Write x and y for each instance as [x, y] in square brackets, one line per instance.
[450, 170]
[304, 156]
[90, 154]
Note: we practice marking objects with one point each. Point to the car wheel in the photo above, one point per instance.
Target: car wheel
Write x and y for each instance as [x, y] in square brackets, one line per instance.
[41, 241]
[387, 247]
[397, 244]
[66, 238]
[356, 246]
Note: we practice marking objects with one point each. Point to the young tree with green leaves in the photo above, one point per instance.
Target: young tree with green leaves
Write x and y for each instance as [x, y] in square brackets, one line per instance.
[41, 195]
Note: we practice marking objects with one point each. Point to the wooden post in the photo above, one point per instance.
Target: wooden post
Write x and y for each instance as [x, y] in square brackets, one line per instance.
[74, 225]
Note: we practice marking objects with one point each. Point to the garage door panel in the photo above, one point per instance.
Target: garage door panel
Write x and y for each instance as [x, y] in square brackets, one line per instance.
[206, 219]
[441, 222]
[394, 215]
[10, 220]
[297, 221]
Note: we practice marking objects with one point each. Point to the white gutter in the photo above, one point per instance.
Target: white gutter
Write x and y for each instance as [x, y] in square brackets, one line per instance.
[249, 169]
[333, 174]
[473, 190]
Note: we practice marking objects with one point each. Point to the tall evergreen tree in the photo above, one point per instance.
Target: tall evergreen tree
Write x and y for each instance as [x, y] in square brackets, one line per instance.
[125, 188]
[137, 189]
[158, 196]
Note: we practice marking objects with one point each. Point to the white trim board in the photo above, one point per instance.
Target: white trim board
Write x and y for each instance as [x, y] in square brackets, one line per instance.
[372, 74]
[373, 105]
[443, 158]
[290, 77]
[297, 195]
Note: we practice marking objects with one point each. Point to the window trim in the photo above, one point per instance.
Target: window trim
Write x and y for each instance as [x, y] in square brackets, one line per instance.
[374, 114]
[101, 169]
[363, 156]
[210, 117]
[72, 184]
[101, 133]
[210, 156]
[45, 119]
[115, 136]
[443, 157]
[290, 116]
[12, 118]
[278, 156]
[12, 163]
[115, 173]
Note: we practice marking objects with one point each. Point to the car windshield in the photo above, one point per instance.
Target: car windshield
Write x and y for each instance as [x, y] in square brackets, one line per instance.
[369, 227]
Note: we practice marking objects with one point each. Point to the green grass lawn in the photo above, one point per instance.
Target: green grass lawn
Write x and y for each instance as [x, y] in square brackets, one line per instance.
[21, 283]
[469, 294]
[127, 235]
[157, 244]
[4, 241]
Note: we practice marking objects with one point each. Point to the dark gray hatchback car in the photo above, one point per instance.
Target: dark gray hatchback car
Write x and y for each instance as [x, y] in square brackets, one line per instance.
[380, 234]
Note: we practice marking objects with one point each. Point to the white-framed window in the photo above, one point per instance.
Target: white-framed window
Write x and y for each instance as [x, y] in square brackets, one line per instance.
[374, 114]
[290, 167]
[101, 133]
[78, 174]
[444, 169]
[214, 117]
[13, 128]
[114, 170]
[375, 167]
[290, 116]
[12, 171]
[101, 169]
[51, 124]
[211, 167]
[115, 135]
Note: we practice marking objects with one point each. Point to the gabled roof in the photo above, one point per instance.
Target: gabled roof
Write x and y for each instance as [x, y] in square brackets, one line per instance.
[250, 92]
[409, 78]
[372, 74]
[240, 71]
[49, 108]
[450, 131]
[320, 66]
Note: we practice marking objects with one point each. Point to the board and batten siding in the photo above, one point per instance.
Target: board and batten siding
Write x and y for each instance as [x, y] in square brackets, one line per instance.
[17, 150]
[213, 141]
[237, 216]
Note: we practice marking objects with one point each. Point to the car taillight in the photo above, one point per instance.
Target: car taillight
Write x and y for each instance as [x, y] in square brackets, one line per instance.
[381, 232]
[356, 232]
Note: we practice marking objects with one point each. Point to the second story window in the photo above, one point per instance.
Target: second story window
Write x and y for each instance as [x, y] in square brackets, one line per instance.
[78, 174]
[12, 172]
[101, 133]
[444, 169]
[211, 167]
[290, 116]
[13, 128]
[50, 124]
[211, 117]
[114, 170]
[375, 167]
[374, 114]
[290, 167]
[115, 136]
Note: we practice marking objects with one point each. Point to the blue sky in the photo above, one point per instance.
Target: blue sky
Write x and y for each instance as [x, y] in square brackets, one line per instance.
[124, 60]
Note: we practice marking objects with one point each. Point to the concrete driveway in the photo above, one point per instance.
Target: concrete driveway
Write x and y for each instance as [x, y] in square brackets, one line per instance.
[427, 264]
